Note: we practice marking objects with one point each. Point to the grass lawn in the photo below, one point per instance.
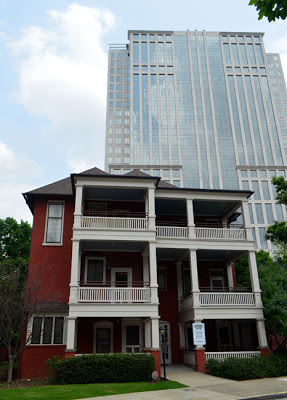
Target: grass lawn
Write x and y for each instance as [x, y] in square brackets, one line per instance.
[70, 392]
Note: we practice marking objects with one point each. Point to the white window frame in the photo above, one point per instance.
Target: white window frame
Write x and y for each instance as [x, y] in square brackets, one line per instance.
[217, 277]
[123, 269]
[54, 316]
[103, 324]
[86, 268]
[45, 243]
[131, 322]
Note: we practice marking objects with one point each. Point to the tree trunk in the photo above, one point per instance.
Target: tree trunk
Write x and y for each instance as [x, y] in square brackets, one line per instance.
[10, 369]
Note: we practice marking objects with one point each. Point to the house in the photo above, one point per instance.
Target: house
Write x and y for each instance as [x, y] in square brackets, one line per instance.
[128, 254]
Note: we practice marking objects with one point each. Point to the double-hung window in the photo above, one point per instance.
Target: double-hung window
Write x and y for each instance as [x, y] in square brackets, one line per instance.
[54, 223]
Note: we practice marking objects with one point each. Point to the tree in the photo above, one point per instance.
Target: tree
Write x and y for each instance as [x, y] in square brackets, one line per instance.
[277, 232]
[21, 296]
[270, 9]
[15, 239]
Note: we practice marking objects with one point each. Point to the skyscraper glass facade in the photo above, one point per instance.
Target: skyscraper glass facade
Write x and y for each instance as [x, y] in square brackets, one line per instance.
[202, 110]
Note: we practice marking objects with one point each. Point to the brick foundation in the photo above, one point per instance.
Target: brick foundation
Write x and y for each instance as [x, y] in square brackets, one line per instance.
[200, 360]
[70, 354]
[156, 355]
[265, 352]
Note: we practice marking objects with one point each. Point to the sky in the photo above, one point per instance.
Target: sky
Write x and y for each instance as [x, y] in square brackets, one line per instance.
[53, 77]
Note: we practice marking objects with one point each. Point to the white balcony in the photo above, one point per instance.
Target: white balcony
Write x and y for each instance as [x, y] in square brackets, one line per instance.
[220, 233]
[223, 355]
[114, 223]
[113, 295]
[210, 299]
[172, 231]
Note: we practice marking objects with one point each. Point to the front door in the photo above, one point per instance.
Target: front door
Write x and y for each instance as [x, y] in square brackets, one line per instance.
[103, 337]
[166, 339]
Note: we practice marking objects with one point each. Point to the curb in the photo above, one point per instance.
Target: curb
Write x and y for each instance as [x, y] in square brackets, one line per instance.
[266, 397]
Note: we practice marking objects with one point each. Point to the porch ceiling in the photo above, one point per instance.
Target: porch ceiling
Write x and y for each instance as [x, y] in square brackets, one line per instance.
[102, 193]
[224, 255]
[213, 208]
[169, 254]
[113, 246]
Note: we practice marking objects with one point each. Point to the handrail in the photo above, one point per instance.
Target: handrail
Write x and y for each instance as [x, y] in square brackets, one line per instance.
[113, 283]
[112, 213]
[225, 289]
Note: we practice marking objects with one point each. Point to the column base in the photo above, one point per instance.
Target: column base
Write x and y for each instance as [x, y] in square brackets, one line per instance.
[199, 353]
[156, 354]
[70, 352]
[265, 352]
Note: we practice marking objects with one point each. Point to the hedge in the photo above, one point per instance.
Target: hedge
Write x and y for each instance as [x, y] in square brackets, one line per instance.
[249, 368]
[101, 368]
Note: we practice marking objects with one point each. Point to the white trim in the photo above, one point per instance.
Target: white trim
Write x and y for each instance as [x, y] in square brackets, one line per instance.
[45, 243]
[218, 277]
[103, 324]
[86, 267]
[132, 322]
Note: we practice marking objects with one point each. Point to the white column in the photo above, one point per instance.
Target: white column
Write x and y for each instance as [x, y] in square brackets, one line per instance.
[153, 273]
[262, 339]
[246, 219]
[147, 333]
[78, 206]
[230, 275]
[194, 277]
[179, 283]
[145, 268]
[71, 334]
[75, 271]
[182, 341]
[254, 277]
[151, 208]
[190, 219]
[154, 333]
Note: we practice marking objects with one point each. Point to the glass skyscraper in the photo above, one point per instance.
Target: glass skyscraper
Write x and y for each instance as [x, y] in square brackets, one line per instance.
[202, 110]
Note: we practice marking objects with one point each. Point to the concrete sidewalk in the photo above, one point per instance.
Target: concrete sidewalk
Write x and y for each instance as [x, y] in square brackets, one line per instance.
[207, 387]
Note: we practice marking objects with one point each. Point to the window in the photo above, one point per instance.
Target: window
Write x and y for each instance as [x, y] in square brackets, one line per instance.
[132, 339]
[161, 278]
[95, 269]
[54, 224]
[47, 330]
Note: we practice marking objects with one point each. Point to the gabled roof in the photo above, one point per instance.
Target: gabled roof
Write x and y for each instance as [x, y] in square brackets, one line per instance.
[137, 173]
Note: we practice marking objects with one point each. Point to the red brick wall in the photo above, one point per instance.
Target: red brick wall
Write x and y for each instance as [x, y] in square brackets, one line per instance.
[32, 360]
[56, 260]
[168, 308]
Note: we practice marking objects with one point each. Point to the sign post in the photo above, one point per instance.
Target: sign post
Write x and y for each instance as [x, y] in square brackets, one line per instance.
[163, 348]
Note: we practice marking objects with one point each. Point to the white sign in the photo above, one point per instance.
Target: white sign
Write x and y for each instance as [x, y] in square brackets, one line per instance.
[198, 334]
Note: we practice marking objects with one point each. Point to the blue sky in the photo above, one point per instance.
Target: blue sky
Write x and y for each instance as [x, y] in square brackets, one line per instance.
[53, 68]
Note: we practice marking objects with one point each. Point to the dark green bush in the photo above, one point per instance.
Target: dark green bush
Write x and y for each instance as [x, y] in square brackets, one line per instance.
[4, 371]
[101, 368]
[249, 368]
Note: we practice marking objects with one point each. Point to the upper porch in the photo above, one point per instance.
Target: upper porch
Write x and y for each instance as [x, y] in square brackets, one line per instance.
[132, 211]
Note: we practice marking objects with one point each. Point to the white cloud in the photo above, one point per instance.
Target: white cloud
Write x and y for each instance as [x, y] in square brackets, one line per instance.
[16, 171]
[62, 78]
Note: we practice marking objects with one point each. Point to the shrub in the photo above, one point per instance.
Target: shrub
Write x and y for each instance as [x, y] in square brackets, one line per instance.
[249, 368]
[4, 371]
[101, 368]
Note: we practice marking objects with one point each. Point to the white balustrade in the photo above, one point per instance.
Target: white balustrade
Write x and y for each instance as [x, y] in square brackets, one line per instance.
[113, 295]
[172, 231]
[220, 356]
[220, 233]
[226, 299]
[136, 224]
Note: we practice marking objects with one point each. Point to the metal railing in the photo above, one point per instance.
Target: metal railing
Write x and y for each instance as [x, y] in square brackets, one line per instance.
[223, 355]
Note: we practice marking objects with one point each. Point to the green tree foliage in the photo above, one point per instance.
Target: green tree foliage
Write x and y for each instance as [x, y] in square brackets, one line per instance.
[15, 239]
[270, 9]
[277, 232]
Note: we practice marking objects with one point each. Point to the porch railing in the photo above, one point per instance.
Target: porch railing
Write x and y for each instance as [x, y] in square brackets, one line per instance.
[220, 233]
[119, 223]
[223, 355]
[113, 294]
[226, 299]
[172, 231]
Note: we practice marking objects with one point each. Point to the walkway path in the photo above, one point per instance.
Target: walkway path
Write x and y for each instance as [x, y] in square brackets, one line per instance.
[207, 387]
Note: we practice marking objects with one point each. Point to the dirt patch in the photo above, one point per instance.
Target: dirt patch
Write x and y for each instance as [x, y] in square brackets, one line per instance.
[22, 383]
